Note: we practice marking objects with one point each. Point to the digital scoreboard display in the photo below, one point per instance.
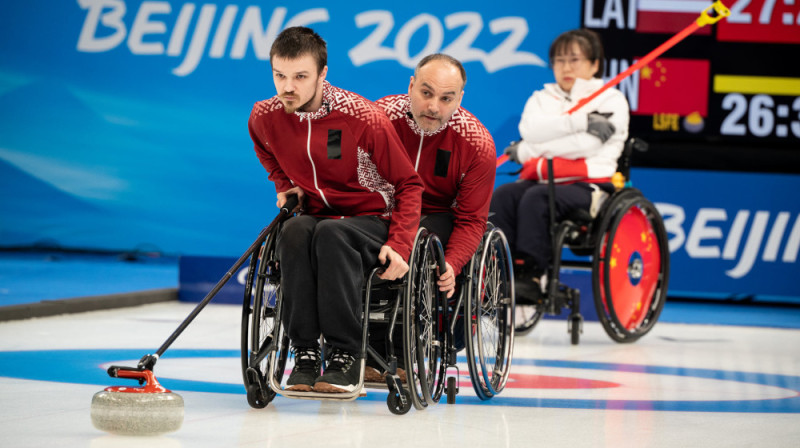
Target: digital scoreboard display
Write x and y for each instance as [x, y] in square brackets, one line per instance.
[769, 21]
[731, 89]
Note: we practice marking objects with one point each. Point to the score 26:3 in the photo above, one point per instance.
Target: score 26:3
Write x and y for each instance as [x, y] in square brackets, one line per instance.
[761, 116]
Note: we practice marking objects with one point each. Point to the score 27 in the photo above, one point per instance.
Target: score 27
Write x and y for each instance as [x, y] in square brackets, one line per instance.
[774, 21]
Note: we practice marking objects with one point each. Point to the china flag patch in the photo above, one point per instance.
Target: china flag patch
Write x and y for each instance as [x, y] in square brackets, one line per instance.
[674, 86]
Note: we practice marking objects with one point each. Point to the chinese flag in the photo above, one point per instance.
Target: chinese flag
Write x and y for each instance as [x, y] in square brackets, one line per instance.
[669, 16]
[673, 86]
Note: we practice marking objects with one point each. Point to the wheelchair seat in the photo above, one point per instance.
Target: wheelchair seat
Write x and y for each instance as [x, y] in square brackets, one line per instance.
[627, 243]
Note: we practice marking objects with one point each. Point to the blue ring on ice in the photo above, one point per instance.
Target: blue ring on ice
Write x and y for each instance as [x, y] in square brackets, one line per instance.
[85, 367]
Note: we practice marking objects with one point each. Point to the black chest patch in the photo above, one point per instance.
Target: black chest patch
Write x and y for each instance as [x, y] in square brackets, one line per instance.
[334, 144]
[442, 163]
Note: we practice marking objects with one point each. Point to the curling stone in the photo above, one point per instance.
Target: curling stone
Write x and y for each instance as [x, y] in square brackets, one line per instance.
[137, 411]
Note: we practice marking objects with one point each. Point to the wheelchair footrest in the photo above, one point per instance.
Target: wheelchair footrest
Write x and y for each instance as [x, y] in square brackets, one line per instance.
[346, 396]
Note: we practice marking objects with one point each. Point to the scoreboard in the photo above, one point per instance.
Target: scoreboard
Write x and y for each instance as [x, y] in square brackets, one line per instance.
[769, 21]
[726, 97]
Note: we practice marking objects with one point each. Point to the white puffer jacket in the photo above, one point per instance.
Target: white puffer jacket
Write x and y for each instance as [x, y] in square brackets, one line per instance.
[548, 132]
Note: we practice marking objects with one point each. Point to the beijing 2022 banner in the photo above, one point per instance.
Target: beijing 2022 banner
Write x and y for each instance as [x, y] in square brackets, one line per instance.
[123, 123]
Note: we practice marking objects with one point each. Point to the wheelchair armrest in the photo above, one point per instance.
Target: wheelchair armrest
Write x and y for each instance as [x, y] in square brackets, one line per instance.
[377, 281]
[624, 161]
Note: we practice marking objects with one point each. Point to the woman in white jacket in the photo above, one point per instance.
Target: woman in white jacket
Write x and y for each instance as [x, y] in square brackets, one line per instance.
[584, 146]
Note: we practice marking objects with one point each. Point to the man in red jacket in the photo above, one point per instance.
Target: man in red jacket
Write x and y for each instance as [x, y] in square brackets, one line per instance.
[452, 152]
[454, 155]
[360, 204]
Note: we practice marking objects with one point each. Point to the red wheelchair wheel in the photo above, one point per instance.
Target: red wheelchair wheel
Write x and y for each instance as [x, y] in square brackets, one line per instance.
[631, 269]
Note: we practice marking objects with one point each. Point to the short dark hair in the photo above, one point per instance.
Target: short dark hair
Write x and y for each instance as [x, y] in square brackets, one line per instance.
[297, 41]
[588, 41]
[443, 57]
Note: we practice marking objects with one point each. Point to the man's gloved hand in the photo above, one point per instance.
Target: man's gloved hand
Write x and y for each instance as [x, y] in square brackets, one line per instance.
[599, 126]
[511, 151]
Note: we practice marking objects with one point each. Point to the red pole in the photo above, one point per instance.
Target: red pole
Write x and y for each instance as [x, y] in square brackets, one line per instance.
[704, 19]
[639, 64]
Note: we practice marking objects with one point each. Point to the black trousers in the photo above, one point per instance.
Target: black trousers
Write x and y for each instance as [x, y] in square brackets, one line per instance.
[323, 264]
[520, 209]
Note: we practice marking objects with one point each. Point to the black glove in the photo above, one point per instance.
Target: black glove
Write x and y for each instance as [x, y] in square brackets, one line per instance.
[511, 151]
[599, 126]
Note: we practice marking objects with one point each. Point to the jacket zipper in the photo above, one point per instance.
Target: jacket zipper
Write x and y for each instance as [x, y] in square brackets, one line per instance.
[419, 152]
[314, 168]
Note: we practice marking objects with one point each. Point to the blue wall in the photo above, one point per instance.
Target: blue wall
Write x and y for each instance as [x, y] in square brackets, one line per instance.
[123, 124]
[730, 234]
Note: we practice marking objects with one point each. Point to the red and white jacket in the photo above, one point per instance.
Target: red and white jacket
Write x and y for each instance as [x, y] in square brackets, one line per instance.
[548, 132]
[345, 156]
[457, 165]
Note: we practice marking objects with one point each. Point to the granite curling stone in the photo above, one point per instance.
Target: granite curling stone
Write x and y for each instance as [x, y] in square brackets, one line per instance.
[137, 411]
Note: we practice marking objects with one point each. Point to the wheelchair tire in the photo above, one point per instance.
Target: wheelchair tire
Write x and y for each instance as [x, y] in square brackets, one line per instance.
[526, 318]
[423, 331]
[256, 397]
[630, 269]
[575, 329]
[489, 312]
[395, 404]
[452, 390]
[259, 330]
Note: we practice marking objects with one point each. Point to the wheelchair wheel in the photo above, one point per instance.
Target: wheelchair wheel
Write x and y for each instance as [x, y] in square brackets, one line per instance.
[526, 317]
[489, 308]
[422, 329]
[630, 268]
[259, 329]
[395, 402]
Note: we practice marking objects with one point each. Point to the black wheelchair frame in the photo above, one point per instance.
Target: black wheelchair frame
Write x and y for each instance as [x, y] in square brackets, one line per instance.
[484, 308]
[629, 295]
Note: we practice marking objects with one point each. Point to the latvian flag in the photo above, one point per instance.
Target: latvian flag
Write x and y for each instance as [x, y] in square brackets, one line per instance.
[669, 16]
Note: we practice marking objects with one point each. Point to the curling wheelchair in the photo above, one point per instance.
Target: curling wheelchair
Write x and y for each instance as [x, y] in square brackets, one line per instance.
[627, 243]
[431, 326]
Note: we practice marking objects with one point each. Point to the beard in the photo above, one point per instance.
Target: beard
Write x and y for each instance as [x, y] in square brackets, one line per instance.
[428, 125]
[290, 107]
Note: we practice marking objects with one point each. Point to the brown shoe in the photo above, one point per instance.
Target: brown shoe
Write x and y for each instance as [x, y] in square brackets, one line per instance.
[328, 388]
[402, 374]
[371, 375]
[343, 373]
[306, 369]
